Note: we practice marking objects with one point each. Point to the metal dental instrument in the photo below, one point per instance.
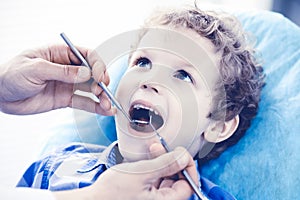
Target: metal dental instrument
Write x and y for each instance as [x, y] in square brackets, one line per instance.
[189, 179]
[101, 84]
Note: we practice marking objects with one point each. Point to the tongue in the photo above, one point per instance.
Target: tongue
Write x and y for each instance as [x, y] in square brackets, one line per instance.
[144, 116]
[140, 114]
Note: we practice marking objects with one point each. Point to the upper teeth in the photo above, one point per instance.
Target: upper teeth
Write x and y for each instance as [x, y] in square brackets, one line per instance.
[138, 106]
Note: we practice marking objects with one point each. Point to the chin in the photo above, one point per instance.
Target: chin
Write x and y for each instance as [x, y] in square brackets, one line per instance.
[133, 146]
[130, 155]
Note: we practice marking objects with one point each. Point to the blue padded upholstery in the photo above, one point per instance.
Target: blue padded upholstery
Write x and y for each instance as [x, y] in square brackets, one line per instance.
[265, 163]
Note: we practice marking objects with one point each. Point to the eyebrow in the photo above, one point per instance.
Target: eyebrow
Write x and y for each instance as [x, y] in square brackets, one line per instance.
[134, 52]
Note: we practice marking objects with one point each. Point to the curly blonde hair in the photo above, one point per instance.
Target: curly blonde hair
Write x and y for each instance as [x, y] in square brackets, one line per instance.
[242, 76]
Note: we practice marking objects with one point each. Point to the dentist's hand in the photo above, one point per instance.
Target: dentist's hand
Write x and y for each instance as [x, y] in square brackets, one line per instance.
[137, 180]
[43, 79]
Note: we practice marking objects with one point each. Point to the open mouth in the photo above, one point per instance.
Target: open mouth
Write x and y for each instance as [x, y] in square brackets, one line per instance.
[141, 113]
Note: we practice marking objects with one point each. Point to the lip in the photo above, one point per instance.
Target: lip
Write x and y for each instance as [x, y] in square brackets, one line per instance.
[145, 104]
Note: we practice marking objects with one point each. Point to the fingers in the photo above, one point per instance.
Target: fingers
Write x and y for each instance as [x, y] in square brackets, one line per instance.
[99, 74]
[192, 171]
[46, 70]
[85, 86]
[162, 166]
[98, 68]
[156, 149]
[76, 74]
[58, 62]
[180, 156]
[176, 189]
[166, 183]
[182, 189]
[89, 105]
[60, 54]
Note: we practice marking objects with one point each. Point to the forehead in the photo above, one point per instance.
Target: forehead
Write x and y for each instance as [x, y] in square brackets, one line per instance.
[192, 48]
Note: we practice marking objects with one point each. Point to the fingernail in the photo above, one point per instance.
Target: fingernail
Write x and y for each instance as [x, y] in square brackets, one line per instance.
[83, 72]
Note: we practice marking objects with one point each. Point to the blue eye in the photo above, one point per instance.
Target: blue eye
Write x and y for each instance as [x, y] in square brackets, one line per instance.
[144, 62]
[183, 75]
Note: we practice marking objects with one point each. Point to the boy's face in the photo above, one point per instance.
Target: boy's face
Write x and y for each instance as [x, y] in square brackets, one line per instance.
[170, 88]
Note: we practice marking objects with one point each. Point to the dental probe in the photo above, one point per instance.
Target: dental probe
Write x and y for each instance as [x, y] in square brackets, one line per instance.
[101, 84]
[189, 179]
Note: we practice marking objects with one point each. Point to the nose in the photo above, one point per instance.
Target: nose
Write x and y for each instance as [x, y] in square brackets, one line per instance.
[149, 87]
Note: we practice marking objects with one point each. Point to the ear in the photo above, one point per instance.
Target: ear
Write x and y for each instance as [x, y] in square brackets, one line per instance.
[220, 131]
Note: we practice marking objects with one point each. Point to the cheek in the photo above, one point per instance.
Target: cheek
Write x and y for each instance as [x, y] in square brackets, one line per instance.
[187, 131]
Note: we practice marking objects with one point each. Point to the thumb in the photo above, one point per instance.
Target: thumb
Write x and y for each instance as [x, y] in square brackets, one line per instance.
[165, 165]
[65, 73]
[156, 149]
[171, 163]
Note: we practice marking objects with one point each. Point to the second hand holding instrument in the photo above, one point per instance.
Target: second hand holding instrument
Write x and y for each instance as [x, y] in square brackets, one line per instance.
[189, 179]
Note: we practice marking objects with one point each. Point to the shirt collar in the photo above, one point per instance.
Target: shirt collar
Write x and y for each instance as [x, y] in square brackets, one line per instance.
[109, 157]
[113, 155]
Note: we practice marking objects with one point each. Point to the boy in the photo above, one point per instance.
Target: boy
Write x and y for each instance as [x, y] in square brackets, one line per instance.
[201, 96]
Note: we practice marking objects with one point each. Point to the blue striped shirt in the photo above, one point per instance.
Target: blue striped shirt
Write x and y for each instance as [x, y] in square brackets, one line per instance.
[79, 165]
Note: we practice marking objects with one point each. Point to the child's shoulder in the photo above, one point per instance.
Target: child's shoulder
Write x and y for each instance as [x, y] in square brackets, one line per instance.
[78, 147]
[68, 160]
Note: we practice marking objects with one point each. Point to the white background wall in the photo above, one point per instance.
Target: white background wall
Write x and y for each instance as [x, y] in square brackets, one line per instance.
[31, 23]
